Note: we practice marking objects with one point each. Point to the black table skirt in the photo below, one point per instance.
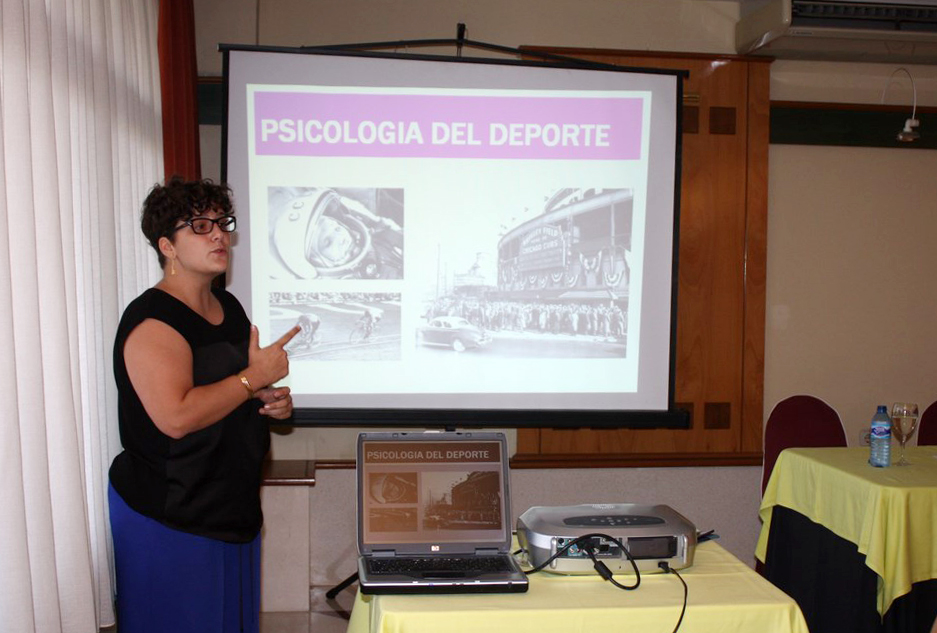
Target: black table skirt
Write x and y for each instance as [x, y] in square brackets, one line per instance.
[828, 578]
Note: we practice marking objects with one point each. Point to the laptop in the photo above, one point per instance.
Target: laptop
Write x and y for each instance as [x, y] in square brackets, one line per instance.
[434, 514]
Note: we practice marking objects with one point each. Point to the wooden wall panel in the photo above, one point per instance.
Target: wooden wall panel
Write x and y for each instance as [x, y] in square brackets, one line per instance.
[756, 247]
[720, 316]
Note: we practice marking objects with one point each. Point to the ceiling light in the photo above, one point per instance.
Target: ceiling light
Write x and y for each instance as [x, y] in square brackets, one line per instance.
[909, 134]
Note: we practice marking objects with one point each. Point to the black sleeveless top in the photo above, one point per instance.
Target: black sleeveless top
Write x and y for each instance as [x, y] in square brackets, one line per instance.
[208, 482]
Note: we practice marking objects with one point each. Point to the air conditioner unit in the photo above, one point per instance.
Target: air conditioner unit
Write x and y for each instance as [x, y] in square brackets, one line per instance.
[896, 31]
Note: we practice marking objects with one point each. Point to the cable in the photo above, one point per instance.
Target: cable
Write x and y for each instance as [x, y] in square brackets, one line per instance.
[585, 542]
[667, 568]
[908, 133]
[605, 572]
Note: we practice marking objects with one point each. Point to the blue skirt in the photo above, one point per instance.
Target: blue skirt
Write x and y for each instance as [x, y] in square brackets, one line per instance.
[169, 580]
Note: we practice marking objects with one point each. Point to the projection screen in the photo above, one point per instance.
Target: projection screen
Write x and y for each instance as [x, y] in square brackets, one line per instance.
[461, 241]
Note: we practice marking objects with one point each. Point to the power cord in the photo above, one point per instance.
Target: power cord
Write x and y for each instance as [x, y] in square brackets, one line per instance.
[585, 543]
[667, 568]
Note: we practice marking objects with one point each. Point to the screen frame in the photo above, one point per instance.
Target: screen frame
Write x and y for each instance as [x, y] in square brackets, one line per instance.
[448, 418]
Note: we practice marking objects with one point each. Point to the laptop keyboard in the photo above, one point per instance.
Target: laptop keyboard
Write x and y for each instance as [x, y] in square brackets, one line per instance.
[437, 564]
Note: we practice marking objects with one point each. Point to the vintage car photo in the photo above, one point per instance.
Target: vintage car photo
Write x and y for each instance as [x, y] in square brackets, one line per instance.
[454, 332]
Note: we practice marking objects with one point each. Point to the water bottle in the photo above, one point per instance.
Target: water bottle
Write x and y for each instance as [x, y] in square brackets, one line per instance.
[880, 440]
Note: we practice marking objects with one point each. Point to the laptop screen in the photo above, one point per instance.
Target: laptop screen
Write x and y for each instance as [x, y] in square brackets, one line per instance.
[433, 492]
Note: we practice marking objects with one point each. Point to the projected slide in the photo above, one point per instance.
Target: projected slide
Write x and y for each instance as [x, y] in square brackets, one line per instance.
[456, 236]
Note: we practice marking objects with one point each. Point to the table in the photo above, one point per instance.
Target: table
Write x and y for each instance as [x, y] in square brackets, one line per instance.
[725, 596]
[826, 511]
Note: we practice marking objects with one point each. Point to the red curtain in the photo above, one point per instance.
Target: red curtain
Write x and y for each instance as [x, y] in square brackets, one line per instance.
[178, 83]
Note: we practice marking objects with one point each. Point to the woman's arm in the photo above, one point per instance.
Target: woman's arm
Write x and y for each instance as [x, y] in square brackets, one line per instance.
[159, 364]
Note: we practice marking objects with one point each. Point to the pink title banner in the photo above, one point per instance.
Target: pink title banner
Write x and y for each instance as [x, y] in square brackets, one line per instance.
[446, 126]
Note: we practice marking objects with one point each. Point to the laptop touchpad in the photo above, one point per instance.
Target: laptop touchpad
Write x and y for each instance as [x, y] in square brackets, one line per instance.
[444, 574]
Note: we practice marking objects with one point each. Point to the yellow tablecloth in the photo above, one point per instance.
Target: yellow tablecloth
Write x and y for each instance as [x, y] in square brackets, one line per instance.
[889, 513]
[725, 596]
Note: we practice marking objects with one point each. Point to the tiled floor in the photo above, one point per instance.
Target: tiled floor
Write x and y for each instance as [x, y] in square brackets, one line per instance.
[325, 616]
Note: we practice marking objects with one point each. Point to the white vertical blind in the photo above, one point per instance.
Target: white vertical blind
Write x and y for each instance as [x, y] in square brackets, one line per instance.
[80, 145]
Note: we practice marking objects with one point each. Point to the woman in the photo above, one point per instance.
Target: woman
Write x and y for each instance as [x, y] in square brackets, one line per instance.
[194, 389]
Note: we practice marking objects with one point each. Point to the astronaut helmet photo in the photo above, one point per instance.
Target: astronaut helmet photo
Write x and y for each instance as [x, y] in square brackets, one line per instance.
[316, 235]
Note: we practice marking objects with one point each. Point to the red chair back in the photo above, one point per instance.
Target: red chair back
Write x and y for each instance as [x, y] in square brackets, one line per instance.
[927, 427]
[800, 421]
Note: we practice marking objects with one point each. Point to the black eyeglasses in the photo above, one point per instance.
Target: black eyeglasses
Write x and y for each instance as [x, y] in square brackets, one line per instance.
[201, 226]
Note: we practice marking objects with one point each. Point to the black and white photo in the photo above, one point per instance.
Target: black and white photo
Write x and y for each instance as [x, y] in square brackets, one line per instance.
[334, 233]
[334, 326]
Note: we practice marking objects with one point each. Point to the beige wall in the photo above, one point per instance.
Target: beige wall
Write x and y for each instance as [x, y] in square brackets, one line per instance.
[851, 275]
[678, 25]
[852, 291]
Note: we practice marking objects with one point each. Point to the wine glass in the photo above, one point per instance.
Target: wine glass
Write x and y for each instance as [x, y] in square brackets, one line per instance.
[865, 436]
[903, 424]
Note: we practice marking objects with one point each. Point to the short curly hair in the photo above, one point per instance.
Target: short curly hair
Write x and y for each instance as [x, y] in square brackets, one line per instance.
[178, 200]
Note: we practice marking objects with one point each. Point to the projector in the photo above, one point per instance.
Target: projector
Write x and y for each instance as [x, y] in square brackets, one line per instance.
[652, 533]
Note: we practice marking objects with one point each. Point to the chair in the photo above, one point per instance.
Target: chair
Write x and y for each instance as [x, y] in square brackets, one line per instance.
[927, 427]
[800, 421]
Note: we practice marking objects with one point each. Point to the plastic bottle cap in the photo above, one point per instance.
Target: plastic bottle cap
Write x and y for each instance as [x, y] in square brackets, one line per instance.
[882, 408]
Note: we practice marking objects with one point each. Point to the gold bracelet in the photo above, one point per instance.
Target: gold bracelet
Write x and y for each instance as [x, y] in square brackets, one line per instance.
[247, 385]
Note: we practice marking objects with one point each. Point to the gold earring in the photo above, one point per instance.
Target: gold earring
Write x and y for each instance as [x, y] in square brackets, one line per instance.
[172, 267]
